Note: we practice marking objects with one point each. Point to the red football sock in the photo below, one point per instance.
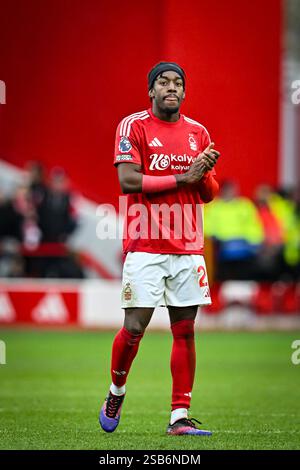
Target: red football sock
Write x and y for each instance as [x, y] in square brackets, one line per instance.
[183, 363]
[124, 350]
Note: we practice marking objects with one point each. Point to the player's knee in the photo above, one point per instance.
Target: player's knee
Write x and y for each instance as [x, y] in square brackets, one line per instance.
[136, 320]
[135, 328]
[137, 331]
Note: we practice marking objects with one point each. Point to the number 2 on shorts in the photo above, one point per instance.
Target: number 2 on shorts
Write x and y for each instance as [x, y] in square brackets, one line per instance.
[202, 276]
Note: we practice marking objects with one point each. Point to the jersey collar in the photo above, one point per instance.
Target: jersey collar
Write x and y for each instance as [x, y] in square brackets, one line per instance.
[166, 123]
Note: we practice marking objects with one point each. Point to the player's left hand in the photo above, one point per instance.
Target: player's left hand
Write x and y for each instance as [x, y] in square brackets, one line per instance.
[209, 156]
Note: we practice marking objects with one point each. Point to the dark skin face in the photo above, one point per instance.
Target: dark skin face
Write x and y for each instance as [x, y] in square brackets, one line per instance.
[167, 95]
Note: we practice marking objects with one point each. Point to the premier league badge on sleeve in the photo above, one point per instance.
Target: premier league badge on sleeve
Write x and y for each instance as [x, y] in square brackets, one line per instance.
[124, 145]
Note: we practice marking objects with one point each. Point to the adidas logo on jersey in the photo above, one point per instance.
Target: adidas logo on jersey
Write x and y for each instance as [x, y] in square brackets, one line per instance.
[155, 143]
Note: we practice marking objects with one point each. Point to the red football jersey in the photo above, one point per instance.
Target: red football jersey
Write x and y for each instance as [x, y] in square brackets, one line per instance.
[169, 221]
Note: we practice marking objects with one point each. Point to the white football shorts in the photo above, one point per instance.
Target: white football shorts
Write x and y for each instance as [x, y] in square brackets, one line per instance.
[152, 280]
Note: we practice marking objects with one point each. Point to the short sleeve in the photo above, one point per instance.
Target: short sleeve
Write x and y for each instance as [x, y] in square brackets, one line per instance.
[127, 147]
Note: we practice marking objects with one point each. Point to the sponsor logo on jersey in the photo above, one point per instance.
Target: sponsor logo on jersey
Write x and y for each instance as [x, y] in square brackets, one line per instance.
[159, 162]
[192, 142]
[176, 162]
[124, 145]
[155, 143]
[123, 158]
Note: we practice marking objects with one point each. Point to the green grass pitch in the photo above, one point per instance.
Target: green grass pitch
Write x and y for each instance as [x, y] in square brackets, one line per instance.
[246, 391]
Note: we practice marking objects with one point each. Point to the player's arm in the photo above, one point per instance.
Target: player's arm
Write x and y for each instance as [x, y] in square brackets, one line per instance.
[208, 187]
[130, 177]
[203, 164]
[132, 180]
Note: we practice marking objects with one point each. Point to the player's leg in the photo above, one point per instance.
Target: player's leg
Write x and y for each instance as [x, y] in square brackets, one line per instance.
[143, 286]
[187, 288]
[126, 345]
[124, 350]
[183, 364]
[183, 359]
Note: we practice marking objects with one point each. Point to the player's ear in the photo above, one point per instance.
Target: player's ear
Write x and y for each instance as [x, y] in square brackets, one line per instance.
[151, 93]
[183, 95]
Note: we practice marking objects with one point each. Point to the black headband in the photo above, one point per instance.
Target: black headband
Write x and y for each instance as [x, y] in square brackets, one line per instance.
[158, 69]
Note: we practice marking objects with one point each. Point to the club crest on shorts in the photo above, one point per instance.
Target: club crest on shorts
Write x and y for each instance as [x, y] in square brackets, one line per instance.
[127, 292]
[124, 145]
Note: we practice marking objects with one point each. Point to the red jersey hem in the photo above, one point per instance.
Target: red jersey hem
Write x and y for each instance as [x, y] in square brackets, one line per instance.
[167, 252]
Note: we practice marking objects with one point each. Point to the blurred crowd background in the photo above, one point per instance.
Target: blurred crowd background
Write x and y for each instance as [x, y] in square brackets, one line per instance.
[250, 238]
[258, 238]
[35, 223]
